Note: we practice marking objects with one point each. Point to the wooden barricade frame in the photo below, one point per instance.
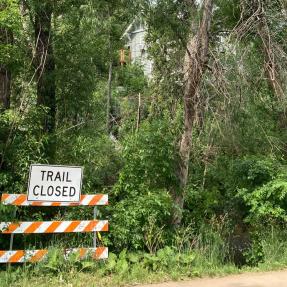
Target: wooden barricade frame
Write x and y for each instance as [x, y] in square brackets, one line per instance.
[75, 226]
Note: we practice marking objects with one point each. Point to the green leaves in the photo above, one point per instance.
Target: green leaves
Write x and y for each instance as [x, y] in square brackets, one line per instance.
[150, 157]
[268, 202]
[9, 14]
[130, 217]
[165, 260]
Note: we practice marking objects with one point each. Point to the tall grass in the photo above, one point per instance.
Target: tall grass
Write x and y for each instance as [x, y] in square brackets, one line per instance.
[202, 253]
[269, 248]
[211, 249]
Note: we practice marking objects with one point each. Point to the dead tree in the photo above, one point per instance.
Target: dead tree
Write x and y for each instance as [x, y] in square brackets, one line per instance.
[270, 62]
[45, 63]
[195, 61]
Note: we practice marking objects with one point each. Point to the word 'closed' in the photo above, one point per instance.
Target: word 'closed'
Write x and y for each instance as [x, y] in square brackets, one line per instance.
[55, 183]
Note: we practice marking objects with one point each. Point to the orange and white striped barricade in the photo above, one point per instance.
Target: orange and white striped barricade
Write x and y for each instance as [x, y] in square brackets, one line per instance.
[86, 200]
[74, 226]
[21, 256]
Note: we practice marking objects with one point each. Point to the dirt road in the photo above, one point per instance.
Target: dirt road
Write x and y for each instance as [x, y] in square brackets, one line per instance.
[268, 279]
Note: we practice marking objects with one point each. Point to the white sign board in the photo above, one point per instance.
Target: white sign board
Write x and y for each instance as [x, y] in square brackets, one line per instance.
[52, 183]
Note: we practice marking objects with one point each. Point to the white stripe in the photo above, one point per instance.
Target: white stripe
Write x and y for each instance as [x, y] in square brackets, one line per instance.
[10, 199]
[89, 252]
[86, 200]
[103, 200]
[100, 225]
[43, 227]
[22, 259]
[23, 226]
[62, 227]
[5, 258]
[25, 203]
[4, 226]
[105, 254]
[83, 224]
[29, 254]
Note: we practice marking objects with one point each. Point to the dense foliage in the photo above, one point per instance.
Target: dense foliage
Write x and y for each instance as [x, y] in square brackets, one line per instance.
[83, 108]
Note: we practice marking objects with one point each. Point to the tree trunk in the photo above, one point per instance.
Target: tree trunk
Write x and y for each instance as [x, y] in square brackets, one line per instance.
[194, 66]
[138, 112]
[5, 84]
[109, 97]
[271, 67]
[6, 37]
[45, 63]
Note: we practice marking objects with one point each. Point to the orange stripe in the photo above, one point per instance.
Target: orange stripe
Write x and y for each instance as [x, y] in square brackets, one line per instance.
[74, 204]
[38, 256]
[36, 203]
[53, 226]
[56, 204]
[32, 227]
[95, 199]
[20, 199]
[11, 228]
[72, 226]
[4, 196]
[82, 252]
[106, 227]
[99, 252]
[91, 225]
[16, 257]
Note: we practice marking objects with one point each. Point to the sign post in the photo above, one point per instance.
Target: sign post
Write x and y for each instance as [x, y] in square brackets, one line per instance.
[95, 233]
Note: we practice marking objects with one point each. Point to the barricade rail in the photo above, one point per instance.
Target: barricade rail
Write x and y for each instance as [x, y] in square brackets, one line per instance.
[21, 200]
[21, 256]
[30, 227]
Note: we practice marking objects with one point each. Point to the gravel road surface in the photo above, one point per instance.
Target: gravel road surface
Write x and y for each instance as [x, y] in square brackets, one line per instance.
[268, 279]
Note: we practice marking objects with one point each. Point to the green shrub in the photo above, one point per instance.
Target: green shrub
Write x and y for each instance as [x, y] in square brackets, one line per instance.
[269, 247]
[131, 218]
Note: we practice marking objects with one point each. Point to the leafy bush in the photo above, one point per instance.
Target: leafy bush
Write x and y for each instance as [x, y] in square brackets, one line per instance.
[149, 158]
[268, 247]
[142, 192]
[267, 203]
[233, 187]
[131, 217]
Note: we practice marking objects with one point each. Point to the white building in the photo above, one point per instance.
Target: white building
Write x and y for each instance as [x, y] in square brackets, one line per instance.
[136, 45]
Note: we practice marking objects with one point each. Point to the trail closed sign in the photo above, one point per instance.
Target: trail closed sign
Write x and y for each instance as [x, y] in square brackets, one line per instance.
[55, 183]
